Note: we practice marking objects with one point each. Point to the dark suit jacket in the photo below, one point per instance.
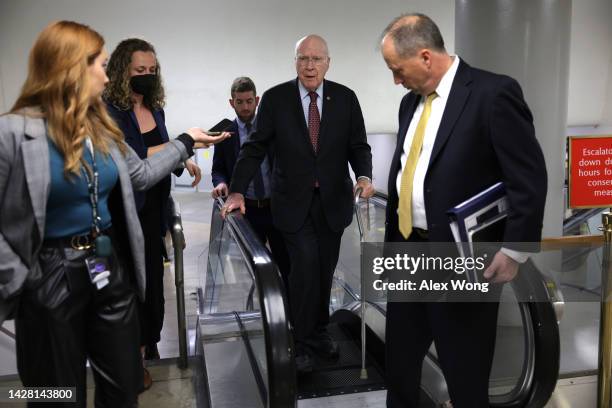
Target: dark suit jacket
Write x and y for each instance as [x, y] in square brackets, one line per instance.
[225, 156]
[486, 135]
[127, 122]
[342, 140]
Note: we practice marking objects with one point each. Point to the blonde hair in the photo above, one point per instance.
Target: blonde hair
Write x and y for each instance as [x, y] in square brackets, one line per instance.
[58, 83]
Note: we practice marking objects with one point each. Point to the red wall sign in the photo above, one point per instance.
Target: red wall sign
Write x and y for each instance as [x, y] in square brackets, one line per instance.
[590, 171]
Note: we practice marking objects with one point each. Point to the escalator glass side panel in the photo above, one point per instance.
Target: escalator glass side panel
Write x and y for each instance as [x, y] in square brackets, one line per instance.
[229, 284]
[349, 262]
[241, 280]
[576, 272]
[228, 278]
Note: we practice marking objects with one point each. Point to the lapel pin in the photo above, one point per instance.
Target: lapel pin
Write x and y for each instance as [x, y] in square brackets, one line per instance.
[328, 98]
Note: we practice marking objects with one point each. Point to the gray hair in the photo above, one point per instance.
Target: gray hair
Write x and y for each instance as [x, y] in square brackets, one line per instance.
[411, 32]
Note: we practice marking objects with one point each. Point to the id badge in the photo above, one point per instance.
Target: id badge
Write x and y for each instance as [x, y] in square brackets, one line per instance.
[99, 271]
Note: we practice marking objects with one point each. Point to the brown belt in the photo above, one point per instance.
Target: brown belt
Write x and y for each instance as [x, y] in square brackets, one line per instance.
[265, 203]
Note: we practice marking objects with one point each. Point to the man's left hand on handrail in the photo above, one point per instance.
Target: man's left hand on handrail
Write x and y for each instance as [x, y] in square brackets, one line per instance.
[367, 188]
[234, 201]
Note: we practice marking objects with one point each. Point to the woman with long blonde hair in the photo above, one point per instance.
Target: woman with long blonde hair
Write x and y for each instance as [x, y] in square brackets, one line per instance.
[71, 254]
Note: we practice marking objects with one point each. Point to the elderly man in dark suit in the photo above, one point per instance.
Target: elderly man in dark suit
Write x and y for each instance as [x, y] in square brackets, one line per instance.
[461, 130]
[244, 101]
[317, 129]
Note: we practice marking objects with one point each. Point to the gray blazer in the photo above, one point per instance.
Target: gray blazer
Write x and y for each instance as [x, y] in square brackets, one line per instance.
[24, 189]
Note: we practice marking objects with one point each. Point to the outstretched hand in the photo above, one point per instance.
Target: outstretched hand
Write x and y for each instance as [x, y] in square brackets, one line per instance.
[204, 140]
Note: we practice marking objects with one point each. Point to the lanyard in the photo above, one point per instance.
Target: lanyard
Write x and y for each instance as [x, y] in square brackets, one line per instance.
[93, 188]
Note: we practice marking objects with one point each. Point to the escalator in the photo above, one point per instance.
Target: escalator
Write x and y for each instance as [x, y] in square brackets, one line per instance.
[242, 332]
[244, 338]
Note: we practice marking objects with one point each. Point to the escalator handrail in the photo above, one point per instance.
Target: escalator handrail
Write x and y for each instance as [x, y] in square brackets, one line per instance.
[7, 332]
[363, 225]
[178, 243]
[579, 217]
[282, 386]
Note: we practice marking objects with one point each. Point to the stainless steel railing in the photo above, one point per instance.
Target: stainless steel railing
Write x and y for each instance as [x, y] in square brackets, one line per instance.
[363, 226]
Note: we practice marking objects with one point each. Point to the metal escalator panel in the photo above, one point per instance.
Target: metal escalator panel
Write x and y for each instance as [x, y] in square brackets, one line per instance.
[243, 331]
[228, 365]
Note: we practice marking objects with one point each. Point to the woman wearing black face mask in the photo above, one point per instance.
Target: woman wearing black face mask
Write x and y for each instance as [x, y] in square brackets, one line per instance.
[135, 98]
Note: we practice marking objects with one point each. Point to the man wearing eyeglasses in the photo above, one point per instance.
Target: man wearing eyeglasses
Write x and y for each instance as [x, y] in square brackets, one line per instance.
[317, 129]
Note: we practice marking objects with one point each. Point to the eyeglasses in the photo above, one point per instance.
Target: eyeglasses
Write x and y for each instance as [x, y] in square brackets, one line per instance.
[303, 60]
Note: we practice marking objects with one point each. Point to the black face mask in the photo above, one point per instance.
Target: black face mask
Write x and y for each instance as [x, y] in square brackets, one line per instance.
[143, 84]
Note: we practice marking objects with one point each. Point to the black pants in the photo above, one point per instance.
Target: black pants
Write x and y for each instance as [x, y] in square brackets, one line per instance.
[64, 320]
[152, 310]
[464, 336]
[261, 221]
[313, 252]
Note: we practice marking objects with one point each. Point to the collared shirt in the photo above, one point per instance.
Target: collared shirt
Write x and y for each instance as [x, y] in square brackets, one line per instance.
[419, 218]
[265, 164]
[306, 99]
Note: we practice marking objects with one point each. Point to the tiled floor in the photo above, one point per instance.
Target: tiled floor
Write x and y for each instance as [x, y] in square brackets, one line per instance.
[195, 213]
[171, 388]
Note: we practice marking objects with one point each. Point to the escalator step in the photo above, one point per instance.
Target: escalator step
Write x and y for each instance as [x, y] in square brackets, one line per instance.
[335, 382]
[340, 376]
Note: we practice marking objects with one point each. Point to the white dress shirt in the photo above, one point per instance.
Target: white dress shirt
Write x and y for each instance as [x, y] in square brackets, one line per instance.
[419, 218]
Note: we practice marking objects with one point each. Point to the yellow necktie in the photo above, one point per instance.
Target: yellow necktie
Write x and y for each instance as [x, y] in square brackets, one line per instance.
[405, 196]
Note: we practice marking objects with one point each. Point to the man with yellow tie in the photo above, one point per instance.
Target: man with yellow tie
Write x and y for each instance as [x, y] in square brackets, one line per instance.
[461, 130]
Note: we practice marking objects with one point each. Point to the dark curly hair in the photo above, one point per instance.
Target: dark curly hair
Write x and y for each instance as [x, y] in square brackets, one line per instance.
[118, 89]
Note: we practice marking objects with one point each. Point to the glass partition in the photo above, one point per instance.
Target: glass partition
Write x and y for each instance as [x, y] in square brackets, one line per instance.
[242, 297]
[228, 282]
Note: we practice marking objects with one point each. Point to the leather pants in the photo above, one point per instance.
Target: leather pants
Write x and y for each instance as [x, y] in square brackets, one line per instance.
[63, 320]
